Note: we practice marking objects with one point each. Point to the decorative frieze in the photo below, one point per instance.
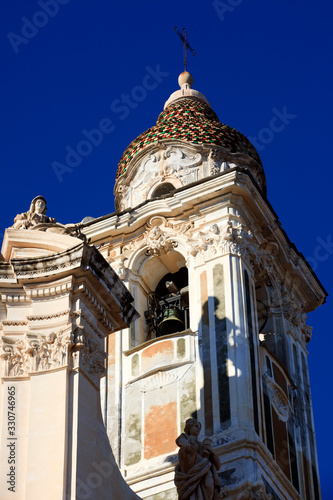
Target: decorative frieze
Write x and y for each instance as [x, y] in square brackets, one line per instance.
[228, 239]
[23, 271]
[43, 317]
[14, 323]
[30, 353]
[33, 353]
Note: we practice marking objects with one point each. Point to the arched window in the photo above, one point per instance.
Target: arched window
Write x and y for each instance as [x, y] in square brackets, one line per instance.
[168, 306]
[159, 285]
[270, 324]
[165, 188]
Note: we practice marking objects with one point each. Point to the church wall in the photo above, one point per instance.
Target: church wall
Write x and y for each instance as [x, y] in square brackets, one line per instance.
[57, 311]
[46, 453]
[20, 391]
[160, 389]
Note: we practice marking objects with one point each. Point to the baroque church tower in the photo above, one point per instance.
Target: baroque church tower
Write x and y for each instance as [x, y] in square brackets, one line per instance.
[222, 296]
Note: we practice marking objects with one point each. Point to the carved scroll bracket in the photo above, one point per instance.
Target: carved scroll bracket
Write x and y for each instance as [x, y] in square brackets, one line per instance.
[87, 356]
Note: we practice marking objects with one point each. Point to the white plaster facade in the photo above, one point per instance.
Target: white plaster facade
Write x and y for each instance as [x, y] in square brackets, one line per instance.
[59, 300]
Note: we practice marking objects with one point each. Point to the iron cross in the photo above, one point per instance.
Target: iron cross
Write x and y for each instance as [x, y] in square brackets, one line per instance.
[185, 43]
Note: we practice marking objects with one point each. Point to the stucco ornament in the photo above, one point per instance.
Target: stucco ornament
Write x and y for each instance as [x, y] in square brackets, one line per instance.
[196, 475]
[169, 164]
[221, 240]
[34, 353]
[34, 216]
[158, 237]
[236, 239]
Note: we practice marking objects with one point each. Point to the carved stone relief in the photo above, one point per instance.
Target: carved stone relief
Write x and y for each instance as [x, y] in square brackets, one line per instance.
[36, 353]
[277, 397]
[164, 165]
[228, 239]
[234, 239]
[33, 353]
[256, 492]
[296, 317]
[88, 356]
[158, 237]
[307, 334]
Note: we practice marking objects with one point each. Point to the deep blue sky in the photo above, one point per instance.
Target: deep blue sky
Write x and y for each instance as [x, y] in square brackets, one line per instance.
[257, 57]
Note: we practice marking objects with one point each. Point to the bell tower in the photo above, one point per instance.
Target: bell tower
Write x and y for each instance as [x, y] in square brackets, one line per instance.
[223, 296]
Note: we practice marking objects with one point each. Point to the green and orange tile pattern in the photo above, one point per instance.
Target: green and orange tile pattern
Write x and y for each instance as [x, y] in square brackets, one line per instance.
[191, 121]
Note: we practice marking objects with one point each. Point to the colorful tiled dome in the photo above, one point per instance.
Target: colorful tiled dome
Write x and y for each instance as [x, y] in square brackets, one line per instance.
[192, 120]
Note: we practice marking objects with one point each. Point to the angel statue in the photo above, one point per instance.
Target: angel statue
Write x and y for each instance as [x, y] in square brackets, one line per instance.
[196, 475]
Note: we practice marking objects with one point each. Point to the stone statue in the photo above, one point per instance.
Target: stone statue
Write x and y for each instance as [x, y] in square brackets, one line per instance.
[34, 216]
[196, 475]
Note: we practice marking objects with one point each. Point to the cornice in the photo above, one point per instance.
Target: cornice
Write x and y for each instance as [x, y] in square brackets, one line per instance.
[207, 191]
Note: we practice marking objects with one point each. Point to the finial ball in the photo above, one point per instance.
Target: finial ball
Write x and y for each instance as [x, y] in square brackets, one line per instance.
[185, 78]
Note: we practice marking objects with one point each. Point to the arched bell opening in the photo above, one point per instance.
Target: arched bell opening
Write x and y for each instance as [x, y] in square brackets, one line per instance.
[168, 306]
[160, 288]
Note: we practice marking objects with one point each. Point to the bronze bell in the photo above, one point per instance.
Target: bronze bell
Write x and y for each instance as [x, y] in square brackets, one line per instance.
[171, 322]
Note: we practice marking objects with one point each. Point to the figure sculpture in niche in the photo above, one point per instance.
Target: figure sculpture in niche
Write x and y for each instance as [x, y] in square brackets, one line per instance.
[34, 216]
[196, 475]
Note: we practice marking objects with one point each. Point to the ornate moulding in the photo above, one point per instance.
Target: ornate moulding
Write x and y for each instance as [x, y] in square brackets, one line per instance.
[43, 317]
[235, 239]
[167, 376]
[34, 353]
[161, 235]
[177, 163]
[158, 237]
